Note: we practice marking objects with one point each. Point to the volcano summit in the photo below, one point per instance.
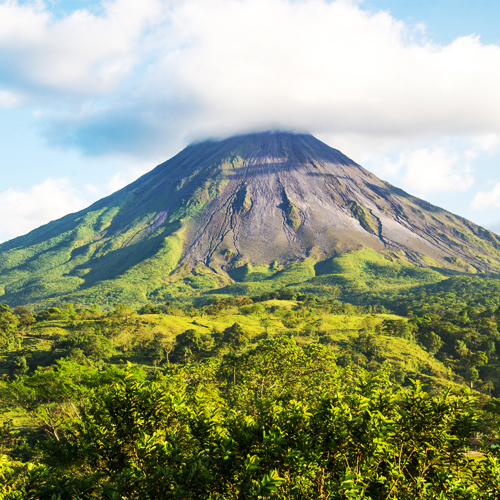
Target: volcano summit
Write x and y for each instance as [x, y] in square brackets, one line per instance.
[243, 210]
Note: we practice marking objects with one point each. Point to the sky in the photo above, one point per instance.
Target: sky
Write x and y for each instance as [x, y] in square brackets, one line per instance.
[94, 94]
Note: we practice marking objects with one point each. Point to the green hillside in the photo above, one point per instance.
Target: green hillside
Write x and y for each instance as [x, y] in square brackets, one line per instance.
[118, 249]
[243, 216]
[116, 338]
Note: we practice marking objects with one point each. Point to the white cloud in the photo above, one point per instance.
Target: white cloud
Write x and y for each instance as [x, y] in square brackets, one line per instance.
[80, 53]
[484, 200]
[431, 169]
[143, 78]
[127, 175]
[327, 67]
[435, 170]
[142, 74]
[22, 211]
[9, 99]
[495, 227]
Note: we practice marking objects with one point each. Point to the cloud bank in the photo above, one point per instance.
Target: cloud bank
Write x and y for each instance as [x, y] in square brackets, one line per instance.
[137, 74]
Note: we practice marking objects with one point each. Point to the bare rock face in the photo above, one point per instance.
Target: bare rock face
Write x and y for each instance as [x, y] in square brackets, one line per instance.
[287, 196]
[260, 199]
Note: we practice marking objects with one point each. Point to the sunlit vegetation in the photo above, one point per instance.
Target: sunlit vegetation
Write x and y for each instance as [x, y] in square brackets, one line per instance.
[279, 395]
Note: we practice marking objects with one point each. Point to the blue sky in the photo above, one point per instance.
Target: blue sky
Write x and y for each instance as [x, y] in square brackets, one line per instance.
[93, 94]
[446, 20]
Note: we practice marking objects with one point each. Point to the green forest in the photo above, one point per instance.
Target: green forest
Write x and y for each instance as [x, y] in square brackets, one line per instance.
[284, 394]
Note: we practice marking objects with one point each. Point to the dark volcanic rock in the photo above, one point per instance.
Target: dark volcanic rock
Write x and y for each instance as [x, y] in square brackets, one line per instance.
[290, 196]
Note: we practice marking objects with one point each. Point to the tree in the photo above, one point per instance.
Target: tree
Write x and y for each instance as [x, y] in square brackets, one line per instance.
[398, 328]
[9, 329]
[49, 314]
[122, 312]
[277, 370]
[19, 366]
[26, 317]
[92, 346]
[432, 342]
[233, 337]
[470, 361]
[53, 398]
[150, 309]
[159, 349]
[191, 346]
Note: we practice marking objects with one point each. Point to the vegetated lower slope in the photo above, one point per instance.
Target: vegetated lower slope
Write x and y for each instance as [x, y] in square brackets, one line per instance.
[360, 277]
[448, 296]
[156, 337]
[253, 212]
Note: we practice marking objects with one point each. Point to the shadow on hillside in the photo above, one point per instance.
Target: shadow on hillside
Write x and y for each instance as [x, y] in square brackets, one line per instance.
[118, 261]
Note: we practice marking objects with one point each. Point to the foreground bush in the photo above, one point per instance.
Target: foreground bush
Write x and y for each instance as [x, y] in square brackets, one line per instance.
[277, 422]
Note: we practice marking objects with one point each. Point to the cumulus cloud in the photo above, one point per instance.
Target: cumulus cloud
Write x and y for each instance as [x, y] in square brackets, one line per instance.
[142, 74]
[329, 67]
[487, 199]
[81, 53]
[22, 211]
[431, 170]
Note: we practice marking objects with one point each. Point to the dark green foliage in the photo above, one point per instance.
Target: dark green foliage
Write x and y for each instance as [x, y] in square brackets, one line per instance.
[290, 424]
[398, 328]
[159, 349]
[150, 309]
[431, 341]
[26, 317]
[54, 313]
[234, 338]
[467, 342]
[9, 328]
[53, 397]
[19, 366]
[122, 311]
[191, 346]
[277, 370]
[90, 345]
[220, 413]
[451, 295]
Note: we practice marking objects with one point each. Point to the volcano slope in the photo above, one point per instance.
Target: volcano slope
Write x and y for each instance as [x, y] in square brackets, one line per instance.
[273, 209]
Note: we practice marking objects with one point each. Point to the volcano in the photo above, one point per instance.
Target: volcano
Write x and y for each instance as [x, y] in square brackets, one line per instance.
[237, 210]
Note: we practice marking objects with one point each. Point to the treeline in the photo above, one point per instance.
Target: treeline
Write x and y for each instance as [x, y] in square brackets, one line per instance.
[467, 342]
[278, 421]
[448, 296]
[97, 335]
